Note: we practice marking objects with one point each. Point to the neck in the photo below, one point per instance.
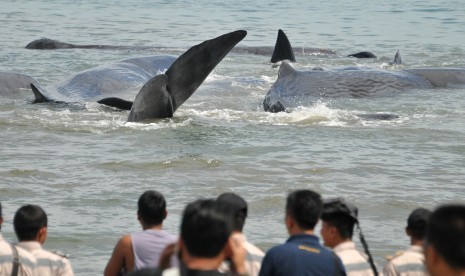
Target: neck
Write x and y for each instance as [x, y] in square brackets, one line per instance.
[199, 263]
[416, 242]
[152, 227]
[302, 231]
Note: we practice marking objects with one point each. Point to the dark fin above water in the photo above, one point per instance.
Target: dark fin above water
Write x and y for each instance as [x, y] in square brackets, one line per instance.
[397, 58]
[363, 54]
[162, 95]
[283, 49]
[39, 94]
[116, 102]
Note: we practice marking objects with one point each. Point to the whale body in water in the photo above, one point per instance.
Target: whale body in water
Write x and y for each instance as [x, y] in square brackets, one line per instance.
[164, 82]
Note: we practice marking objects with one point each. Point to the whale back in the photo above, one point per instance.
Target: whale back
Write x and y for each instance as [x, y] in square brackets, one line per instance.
[441, 77]
[122, 79]
[294, 88]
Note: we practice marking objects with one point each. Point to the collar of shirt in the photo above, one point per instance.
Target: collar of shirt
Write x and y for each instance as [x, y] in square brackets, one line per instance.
[303, 238]
[416, 249]
[348, 245]
[30, 245]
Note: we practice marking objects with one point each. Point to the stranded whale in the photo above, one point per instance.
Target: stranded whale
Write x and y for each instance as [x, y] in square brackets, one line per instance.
[297, 88]
[51, 44]
[161, 94]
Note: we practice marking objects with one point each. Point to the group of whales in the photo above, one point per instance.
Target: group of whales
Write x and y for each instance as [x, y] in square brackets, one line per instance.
[163, 93]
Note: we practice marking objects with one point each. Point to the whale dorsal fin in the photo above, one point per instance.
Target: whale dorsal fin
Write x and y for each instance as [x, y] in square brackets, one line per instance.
[162, 95]
[283, 49]
[116, 102]
[39, 94]
[397, 58]
[285, 69]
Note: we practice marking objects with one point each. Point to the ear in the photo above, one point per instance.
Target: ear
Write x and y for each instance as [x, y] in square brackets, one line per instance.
[1, 220]
[166, 214]
[42, 235]
[407, 231]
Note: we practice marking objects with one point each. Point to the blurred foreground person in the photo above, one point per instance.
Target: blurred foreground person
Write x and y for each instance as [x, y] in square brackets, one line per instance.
[445, 241]
[302, 254]
[339, 218]
[236, 207]
[14, 260]
[30, 223]
[411, 262]
[142, 249]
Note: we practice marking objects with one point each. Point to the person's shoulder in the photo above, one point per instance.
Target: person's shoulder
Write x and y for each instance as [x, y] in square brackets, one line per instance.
[23, 253]
[54, 255]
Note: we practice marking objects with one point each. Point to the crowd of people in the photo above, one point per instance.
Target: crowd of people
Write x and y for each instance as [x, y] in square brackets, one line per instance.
[211, 241]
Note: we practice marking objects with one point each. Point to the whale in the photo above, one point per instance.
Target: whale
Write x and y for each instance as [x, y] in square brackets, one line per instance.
[52, 44]
[295, 88]
[163, 83]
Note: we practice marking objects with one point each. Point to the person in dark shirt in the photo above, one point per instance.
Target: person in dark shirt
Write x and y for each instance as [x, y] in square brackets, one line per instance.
[302, 254]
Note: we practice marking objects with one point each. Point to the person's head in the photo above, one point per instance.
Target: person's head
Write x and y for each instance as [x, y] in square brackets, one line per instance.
[416, 224]
[236, 206]
[303, 210]
[205, 229]
[151, 208]
[30, 223]
[339, 218]
[445, 241]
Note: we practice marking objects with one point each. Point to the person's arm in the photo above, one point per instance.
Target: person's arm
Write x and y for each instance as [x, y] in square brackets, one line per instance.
[237, 256]
[120, 259]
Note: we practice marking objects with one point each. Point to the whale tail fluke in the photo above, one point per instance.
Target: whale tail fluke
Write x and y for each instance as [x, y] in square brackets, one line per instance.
[162, 95]
[39, 94]
[283, 49]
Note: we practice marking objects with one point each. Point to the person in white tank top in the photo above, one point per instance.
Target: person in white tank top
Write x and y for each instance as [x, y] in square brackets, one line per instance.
[143, 249]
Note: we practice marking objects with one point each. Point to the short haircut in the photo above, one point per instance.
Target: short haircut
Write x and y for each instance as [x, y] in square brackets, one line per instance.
[343, 223]
[205, 229]
[236, 207]
[446, 233]
[305, 207]
[152, 207]
[28, 220]
[417, 223]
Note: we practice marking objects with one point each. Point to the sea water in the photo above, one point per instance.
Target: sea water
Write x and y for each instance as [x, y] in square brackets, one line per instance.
[87, 167]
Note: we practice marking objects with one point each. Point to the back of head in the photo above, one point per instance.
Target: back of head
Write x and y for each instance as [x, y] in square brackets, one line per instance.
[152, 207]
[446, 233]
[236, 207]
[28, 220]
[417, 223]
[341, 214]
[204, 228]
[305, 207]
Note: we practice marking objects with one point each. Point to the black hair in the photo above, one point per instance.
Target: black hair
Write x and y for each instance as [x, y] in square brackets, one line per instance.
[343, 223]
[305, 207]
[417, 223]
[446, 233]
[152, 207]
[28, 220]
[236, 207]
[205, 229]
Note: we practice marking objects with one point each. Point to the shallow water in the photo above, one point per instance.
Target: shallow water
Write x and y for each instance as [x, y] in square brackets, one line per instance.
[86, 166]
